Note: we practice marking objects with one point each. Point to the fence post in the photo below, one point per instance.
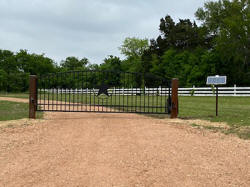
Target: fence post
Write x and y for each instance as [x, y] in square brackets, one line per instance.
[174, 96]
[32, 96]
[235, 90]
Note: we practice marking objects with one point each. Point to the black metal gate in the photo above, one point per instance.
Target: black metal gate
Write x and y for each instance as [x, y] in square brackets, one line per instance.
[103, 91]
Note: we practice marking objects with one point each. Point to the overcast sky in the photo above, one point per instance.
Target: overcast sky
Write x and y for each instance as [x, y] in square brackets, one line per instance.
[84, 28]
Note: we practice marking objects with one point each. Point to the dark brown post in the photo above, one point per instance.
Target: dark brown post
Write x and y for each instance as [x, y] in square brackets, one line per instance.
[174, 111]
[33, 96]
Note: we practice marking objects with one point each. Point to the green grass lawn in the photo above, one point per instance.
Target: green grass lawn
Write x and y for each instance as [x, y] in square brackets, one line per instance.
[130, 103]
[16, 95]
[235, 111]
[13, 111]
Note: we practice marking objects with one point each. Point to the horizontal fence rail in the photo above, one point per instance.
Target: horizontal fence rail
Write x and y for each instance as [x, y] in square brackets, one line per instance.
[194, 91]
[115, 91]
[209, 91]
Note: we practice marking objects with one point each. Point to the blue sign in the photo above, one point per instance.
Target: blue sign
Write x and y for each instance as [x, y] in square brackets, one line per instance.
[216, 80]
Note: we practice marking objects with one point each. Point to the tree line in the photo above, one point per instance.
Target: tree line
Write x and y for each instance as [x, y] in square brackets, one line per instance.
[219, 44]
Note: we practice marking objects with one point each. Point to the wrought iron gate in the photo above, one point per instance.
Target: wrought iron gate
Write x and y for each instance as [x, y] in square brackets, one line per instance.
[103, 91]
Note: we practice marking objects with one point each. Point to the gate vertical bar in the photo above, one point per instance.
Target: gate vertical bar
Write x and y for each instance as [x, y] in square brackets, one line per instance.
[48, 91]
[127, 88]
[32, 96]
[74, 89]
[216, 100]
[65, 99]
[94, 80]
[112, 105]
[61, 89]
[39, 99]
[82, 80]
[77, 91]
[86, 90]
[52, 92]
[174, 111]
[90, 92]
[56, 92]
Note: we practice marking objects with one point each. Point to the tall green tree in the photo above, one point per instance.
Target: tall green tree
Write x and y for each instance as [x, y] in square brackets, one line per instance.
[112, 66]
[16, 67]
[111, 63]
[229, 22]
[3, 80]
[73, 63]
[8, 62]
[35, 64]
[183, 35]
[133, 49]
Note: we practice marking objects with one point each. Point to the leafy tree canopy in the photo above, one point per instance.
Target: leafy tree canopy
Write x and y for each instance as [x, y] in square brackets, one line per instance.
[73, 63]
[229, 22]
[134, 47]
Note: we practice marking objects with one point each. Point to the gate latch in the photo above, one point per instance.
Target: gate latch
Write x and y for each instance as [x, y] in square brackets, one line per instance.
[32, 100]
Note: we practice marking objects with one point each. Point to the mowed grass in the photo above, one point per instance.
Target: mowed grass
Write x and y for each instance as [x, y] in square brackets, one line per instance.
[15, 95]
[141, 104]
[235, 111]
[134, 103]
[14, 110]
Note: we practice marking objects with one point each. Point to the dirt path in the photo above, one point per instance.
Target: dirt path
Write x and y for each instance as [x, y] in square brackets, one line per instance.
[21, 100]
[90, 149]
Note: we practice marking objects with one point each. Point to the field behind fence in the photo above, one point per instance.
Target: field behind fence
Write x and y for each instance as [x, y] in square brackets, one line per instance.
[194, 91]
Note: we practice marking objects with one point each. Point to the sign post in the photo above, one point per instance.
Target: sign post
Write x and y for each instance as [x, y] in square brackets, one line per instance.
[217, 80]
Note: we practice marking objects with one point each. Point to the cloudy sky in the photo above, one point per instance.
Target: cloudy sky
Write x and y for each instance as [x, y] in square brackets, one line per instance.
[84, 28]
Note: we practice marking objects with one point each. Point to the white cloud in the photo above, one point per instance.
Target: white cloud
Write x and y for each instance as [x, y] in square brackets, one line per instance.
[84, 28]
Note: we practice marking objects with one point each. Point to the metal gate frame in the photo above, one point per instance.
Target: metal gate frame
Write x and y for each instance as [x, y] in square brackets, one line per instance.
[40, 97]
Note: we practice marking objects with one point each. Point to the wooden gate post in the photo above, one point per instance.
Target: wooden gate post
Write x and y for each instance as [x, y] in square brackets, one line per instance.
[174, 96]
[32, 96]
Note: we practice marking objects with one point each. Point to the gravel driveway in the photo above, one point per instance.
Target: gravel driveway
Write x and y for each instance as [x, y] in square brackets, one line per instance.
[91, 149]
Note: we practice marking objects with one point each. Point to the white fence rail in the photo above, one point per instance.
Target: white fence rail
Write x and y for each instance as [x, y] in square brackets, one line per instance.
[195, 91]
[209, 91]
[112, 91]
